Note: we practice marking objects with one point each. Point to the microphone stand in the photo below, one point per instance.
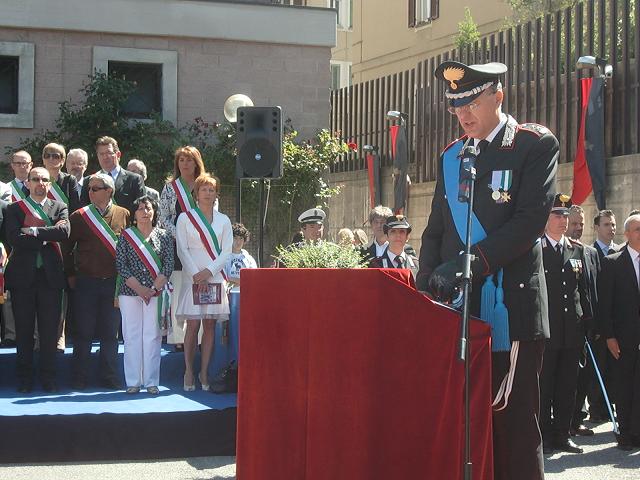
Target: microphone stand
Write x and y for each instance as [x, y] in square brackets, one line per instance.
[467, 187]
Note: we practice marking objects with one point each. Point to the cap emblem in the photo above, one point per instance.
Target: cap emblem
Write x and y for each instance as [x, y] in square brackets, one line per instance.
[453, 74]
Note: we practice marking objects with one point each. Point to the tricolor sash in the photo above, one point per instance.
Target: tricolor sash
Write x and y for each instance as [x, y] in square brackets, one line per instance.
[29, 207]
[183, 194]
[101, 228]
[153, 264]
[16, 191]
[56, 193]
[207, 235]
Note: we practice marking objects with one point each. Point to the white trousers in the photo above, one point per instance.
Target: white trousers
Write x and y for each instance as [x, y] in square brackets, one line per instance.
[176, 334]
[142, 341]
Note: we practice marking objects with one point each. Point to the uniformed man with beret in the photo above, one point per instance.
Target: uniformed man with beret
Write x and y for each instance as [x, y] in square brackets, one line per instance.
[397, 229]
[569, 311]
[514, 191]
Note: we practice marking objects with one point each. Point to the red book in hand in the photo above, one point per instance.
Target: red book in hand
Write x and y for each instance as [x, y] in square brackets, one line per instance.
[33, 221]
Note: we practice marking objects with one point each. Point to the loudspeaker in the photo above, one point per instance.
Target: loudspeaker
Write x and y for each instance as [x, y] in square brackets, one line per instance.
[259, 142]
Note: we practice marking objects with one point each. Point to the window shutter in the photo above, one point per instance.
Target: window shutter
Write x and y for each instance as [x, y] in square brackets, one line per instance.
[412, 13]
[435, 9]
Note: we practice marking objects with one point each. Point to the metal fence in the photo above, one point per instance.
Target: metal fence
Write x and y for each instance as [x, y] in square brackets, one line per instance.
[542, 86]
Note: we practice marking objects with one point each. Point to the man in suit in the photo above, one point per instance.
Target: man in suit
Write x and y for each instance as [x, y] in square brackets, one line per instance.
[619, 322]
[604, 225]
[138, 166]
[569, 309]
[6, 341]
[35, 276]
[397, 229]
[129, 185]
[515, 189]
[587, 376]
[76, 165]
[21, 163]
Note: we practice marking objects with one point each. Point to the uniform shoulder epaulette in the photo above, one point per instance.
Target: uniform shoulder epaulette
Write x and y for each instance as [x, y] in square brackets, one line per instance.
[575, 242]
[463, 138]
[536, 128]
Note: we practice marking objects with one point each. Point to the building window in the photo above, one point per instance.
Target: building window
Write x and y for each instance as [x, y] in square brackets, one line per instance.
[146, 100]
[16, 84]
[9, 67]
[155, 73]
[340, 74]
[423, 11]
[345, 13]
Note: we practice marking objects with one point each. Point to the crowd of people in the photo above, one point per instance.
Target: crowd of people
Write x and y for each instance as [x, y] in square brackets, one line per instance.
[118, 260]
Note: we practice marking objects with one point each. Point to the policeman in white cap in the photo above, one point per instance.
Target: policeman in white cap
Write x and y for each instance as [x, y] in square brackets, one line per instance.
[312, 224]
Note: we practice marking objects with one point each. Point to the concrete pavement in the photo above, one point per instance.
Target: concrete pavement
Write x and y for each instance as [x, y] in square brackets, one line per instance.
[601, 460]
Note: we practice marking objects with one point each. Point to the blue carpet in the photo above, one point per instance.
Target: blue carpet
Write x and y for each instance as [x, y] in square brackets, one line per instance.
[95, 400]
[98, 425]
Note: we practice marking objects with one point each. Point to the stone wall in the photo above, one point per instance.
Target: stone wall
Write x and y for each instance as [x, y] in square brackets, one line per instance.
[350, 208]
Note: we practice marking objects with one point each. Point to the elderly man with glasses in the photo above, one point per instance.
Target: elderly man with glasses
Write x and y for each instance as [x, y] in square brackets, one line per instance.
[91, 270]
[35, 225]
[514, 191]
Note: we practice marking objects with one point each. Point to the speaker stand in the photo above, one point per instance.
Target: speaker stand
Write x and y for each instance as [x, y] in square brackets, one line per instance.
[261, 214]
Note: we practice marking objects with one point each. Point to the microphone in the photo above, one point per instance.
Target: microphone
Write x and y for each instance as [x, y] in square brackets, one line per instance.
[467, 172]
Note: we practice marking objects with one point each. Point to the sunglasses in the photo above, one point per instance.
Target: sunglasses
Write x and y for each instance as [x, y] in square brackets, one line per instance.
[56, 156]
[39, 179]
[97, 189]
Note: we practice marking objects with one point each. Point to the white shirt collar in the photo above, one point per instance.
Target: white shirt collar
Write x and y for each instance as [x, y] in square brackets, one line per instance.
[489, 138]
[553, 243]
[115, 172]
[380, 248]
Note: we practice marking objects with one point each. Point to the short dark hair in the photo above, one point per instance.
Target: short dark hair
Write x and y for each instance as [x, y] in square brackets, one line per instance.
[145, 199]
[239, 230]
[602, 213]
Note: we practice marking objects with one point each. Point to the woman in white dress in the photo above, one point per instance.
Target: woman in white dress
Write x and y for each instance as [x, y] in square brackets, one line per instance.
[204, 238]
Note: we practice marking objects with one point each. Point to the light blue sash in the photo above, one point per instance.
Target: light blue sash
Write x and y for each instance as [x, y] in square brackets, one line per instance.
[492, 307]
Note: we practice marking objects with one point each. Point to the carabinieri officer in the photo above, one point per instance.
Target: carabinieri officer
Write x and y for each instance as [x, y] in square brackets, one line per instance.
[514, 192]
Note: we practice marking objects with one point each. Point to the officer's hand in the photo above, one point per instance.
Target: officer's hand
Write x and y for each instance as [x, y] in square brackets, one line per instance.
[444, 280]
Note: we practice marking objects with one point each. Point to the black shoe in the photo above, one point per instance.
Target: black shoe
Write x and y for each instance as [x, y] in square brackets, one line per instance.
[567, 446]
[226, 381]
[581, 431]
[50, 387]
[111, 384]
[8, 343]
[547, 448]
[625, 443]
[596, 418]
[25, 387]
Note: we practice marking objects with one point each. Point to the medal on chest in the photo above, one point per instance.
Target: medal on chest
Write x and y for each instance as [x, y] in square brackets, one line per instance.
[500, 184]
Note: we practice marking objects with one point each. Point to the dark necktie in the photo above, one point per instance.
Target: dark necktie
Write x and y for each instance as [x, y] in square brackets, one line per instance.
[25, 190]
[482, 146]
[609, 251]
[399, 261]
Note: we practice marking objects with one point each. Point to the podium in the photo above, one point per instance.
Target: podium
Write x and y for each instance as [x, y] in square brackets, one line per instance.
[352, 374]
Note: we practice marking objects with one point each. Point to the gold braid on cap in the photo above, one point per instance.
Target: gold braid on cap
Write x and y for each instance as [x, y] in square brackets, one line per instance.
[564, 199]
[453, 74]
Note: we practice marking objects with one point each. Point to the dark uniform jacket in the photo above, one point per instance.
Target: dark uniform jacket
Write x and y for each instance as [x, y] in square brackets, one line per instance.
[619, 300]
[513, 227]
[369, 253]
[69, 185]
[21, 268]
[592, 269]
[569, 306]
[129, 187]
[384, 261]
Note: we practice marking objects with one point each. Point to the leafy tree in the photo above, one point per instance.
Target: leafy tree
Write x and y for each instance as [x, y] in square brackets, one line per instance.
[525, 10]
[468, 32]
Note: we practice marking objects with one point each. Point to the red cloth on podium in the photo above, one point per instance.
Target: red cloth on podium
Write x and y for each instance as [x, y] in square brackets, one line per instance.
[352, 374]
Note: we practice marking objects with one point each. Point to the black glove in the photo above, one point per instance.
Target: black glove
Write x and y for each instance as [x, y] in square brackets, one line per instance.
[444, 281]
